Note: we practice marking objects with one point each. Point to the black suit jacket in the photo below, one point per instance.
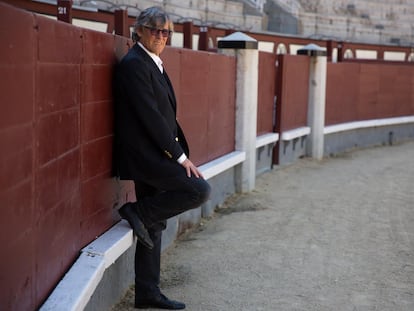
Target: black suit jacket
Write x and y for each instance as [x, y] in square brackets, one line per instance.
[148, 139]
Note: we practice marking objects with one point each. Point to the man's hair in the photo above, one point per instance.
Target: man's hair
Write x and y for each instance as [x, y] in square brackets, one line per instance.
[153, 17]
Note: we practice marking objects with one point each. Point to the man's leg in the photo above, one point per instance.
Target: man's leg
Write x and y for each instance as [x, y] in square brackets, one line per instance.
[176, 195]
[147, 266]
[147, 262]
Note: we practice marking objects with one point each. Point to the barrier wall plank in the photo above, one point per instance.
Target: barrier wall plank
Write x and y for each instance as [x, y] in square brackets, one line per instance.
[221, 106]
[367, 91]
[294, 92]
[341, 92]
[17, 92]
[266, 92]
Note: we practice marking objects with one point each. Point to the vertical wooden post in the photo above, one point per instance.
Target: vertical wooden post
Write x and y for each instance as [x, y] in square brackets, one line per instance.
[340, 52]
[380, 54]
[329, 49]
[121, 23]
[64, 11]
[188, 35]
[203, 39]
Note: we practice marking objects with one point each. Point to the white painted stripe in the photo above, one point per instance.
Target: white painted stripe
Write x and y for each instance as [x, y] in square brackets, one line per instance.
[266, 139]
[112, 243]
[77, 286]
[296, 133]
[222, 164]
[366, 124]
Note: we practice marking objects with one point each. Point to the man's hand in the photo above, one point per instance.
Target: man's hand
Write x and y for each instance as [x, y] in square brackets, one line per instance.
[191, 169]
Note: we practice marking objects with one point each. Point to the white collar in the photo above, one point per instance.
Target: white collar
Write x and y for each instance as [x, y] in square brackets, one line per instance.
[157, 60]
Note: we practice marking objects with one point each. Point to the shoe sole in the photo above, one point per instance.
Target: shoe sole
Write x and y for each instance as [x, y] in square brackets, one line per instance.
[140, 239]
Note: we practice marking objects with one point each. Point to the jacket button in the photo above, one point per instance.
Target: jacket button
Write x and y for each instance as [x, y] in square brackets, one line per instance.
[176, 139]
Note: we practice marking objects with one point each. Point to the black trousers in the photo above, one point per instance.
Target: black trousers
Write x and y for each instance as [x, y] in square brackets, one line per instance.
[158, 200]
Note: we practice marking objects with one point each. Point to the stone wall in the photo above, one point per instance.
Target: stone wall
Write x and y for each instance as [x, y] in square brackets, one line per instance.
[368, 21]
[382, 21]
[227, 14]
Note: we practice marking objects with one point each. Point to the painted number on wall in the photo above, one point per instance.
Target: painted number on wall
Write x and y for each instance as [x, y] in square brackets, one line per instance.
[62, 10]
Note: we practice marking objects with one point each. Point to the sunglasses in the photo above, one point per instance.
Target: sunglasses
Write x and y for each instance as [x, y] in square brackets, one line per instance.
[154, 31]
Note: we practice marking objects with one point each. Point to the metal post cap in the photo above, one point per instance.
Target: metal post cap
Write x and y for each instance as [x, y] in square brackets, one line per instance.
[237, 40]
[312, 50]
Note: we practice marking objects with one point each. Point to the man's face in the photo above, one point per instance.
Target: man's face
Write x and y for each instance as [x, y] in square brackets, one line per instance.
[153, 38]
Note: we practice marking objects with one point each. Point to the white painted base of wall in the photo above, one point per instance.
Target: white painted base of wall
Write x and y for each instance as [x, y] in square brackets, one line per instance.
[366, 124]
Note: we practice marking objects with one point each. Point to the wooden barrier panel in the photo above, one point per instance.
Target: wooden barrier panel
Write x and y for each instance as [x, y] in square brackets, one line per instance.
[367, 91]
[266, 93]
[293, 89]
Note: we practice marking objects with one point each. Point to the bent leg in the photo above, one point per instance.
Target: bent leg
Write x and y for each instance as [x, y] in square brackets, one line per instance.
[177, 194]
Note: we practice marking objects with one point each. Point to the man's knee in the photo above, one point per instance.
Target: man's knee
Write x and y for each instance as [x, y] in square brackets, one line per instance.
[203, 192]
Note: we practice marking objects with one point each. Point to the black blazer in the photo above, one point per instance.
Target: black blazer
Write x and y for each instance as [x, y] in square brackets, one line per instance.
[148, 139]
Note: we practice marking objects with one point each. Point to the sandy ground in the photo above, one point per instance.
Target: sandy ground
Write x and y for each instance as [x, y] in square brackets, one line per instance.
[336, 234]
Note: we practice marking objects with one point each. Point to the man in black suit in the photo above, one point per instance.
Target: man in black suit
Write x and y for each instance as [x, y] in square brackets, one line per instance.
[150, 148]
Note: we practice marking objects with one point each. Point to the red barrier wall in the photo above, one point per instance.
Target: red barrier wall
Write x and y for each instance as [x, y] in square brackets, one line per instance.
[361, 91]
[266, 92]
[56, 188]
[292, 92]
[56, 137]
[214, 34]
[355, 91]
[205, 89]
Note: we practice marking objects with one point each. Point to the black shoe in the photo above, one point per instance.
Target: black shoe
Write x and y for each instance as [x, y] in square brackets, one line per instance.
[127, 212]
[160, 302]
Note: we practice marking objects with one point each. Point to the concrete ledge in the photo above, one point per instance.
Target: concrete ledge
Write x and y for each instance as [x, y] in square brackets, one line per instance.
[77, 286]
[366, 124]
[296, 133]
[266, 139]
[222, 164]
[112, 243]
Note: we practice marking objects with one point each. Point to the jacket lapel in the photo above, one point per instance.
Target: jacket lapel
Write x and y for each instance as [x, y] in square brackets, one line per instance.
[170, 89]
[162, 77]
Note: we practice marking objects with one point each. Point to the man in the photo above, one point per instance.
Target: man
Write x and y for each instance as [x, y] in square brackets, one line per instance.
[150, 148]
